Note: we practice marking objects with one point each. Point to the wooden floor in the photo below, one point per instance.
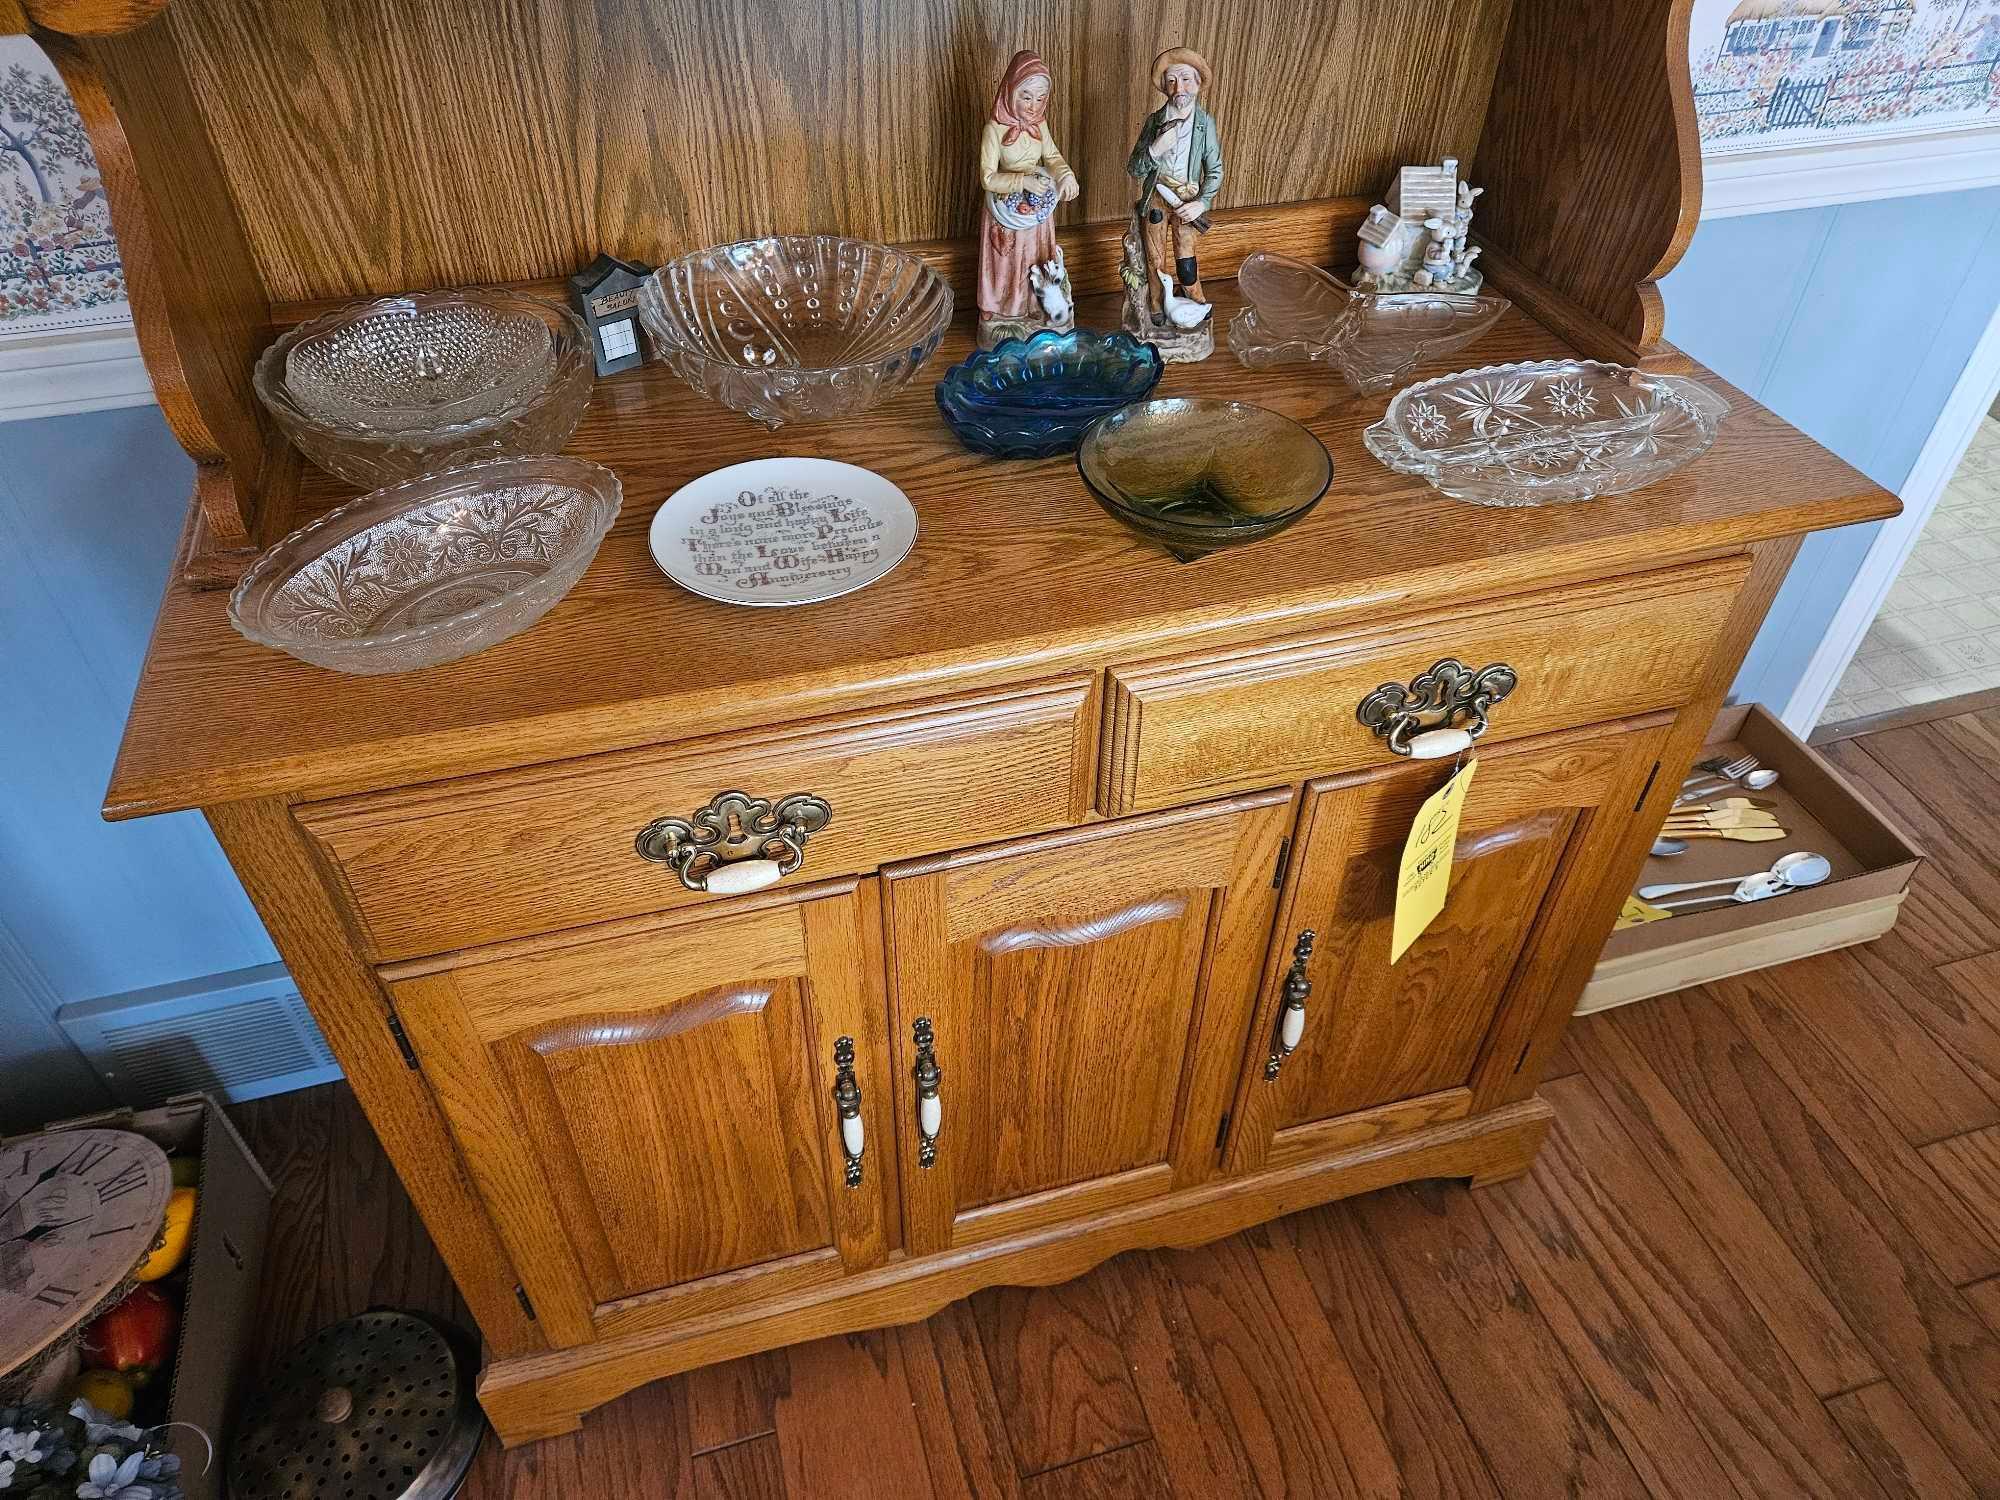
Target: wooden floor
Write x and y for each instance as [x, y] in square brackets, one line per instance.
[1759, 1257]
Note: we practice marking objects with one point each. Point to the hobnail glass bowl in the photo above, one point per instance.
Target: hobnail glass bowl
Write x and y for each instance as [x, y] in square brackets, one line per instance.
[1033, 397]
[1196, 475]
[1546, 431]
[796, 328]
[431, 569]
[1297, 313]
[382, 391]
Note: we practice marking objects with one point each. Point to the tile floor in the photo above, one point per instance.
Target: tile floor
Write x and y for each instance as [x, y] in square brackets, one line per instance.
[1938, 634]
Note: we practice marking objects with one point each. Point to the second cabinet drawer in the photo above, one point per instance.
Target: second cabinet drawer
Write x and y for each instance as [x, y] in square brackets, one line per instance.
[517, 853]
[1212, 722]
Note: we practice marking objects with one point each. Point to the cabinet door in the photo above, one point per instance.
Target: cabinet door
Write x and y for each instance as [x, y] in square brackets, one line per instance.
[1083, 997]
[1389, 1047]
[658, 1108]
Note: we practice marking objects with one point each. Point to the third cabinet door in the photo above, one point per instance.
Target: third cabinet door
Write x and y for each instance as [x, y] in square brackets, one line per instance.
[1069, 1013]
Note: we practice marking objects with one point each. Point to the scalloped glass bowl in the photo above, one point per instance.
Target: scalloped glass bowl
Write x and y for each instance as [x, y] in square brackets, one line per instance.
[1296, 313]
[1546, 431]
[1198, 474]
[432, 569]
[796, 328]
[1033, 397]
[385, 390]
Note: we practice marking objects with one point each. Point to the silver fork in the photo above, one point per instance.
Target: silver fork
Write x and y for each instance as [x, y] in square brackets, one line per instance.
[1693, 790]
[1728, 770]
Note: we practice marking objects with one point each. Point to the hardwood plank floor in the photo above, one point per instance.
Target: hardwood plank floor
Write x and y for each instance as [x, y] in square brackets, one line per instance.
[1757, 1258]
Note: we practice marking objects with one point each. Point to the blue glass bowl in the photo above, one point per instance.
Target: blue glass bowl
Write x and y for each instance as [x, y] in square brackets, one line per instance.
[1031, 398]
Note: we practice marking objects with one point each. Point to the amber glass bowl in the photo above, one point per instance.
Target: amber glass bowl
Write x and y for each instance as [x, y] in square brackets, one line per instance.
[1196, 475]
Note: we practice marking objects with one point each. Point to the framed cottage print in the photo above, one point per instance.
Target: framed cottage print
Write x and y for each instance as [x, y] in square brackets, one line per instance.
[1804, 102]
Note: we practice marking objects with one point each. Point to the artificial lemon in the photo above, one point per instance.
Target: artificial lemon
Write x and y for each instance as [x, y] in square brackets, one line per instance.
[173, 1247]
[107, 1390]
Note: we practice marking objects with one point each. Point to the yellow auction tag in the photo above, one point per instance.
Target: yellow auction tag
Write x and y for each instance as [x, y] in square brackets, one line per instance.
[1425, 875]
[1638, 912]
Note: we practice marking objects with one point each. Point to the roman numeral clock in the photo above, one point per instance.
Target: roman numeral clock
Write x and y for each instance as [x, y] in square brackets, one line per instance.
[79, 1209]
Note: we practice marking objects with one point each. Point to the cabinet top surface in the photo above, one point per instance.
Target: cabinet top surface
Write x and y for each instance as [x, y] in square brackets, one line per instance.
[1016, 573]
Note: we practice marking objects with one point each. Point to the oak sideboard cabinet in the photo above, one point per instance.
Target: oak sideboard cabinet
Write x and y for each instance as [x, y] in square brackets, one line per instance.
[1082, 937]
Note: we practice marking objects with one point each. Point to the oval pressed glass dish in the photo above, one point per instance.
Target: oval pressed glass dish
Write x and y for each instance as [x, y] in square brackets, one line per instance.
[1198, 474]
[796, 328]
[1547, 431]
[429, 570]
[1033, 397]
[385, 390]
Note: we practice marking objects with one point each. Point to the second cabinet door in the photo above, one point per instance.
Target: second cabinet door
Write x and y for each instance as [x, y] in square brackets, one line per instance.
[1384, 1047]
[1082, 999]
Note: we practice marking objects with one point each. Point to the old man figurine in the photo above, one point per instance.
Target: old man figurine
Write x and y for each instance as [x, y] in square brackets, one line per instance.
[1178, 162]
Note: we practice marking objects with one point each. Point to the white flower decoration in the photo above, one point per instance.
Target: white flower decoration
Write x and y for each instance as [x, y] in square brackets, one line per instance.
[6, 1473]
[1569, 398]
[100, 1426]
[111, 1480]
[25, 1446]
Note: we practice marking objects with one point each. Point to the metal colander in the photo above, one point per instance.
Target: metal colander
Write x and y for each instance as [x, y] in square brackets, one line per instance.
[380, 1407]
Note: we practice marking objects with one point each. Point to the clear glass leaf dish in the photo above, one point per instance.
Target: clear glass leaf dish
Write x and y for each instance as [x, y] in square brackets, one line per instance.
[1298, 314]
[1547, 431]
[796, 328]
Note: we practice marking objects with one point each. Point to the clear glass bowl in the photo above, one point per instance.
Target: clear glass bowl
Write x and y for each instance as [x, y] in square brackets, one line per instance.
[431, 569]
[1033, 397]
[796, 328]
[382, 391]
[1196, 475]
[1553, 430]
[1297, 313]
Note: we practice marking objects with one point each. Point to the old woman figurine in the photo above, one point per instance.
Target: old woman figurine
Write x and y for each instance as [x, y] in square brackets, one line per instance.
[1022, 284]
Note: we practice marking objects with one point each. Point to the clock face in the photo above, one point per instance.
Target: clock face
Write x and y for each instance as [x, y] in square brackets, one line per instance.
[78, 1210]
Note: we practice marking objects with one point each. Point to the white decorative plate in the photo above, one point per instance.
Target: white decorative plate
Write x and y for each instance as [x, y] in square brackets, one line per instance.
[780, 531]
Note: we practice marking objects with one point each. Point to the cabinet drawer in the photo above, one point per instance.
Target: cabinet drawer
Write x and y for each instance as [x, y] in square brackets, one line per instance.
[486, 858]
[1204, 723]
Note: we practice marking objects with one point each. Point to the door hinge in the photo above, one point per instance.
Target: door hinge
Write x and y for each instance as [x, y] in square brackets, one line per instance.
[1284, 863]
[521, 1296]
[403, 1041]
[1222, 1132]
[1647, 790]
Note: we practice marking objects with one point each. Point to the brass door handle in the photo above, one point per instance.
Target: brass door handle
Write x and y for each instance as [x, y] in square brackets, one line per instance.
[1292, 1016]
[847, 1099]
[1421, 720]
[930, 1110]
[737, 843]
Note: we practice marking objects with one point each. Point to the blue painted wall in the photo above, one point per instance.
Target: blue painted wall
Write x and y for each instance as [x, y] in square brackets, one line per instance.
[1796, 309]
[91, 508]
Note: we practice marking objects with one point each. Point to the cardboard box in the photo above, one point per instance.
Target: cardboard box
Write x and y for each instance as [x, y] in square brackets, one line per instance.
[1872, 865]
[232, 1216]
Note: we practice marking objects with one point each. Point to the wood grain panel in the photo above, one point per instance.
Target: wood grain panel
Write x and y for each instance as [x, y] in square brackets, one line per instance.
[1533, 1418]
[1656, 1325]
[843, 1425]
[493, 857]
[1592, 121]
[1181, 727]
[956, 1407]
[1059, 1372]
[1970, 1167]
[732, 1402]
[1905, 1458]
[503, 142]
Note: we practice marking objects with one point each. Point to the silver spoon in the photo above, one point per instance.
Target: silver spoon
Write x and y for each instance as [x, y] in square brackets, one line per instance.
[1668, 848]
[1794, 871]
[1754, 888]
[1756, 781]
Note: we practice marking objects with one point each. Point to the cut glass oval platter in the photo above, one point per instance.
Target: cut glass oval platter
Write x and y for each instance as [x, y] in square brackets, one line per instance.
[778, 531]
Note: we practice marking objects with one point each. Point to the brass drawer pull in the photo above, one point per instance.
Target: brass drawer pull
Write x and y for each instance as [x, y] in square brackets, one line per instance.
[1422, 719]
[737, 843]
[930, 1112]
[847, 1098]
[1292, 1018]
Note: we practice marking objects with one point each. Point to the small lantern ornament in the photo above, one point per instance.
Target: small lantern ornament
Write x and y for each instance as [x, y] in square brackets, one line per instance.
[605, 294]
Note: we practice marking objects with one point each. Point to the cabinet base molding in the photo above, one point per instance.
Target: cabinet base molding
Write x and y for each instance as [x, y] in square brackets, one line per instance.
[542, 1395]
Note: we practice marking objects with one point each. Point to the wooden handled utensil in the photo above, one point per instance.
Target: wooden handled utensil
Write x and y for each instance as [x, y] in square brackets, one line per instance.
[1741, 835]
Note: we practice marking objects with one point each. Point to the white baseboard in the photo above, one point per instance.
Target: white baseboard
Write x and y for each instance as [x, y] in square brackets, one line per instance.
[1977, 385]
[53, 375]
[1772, 181]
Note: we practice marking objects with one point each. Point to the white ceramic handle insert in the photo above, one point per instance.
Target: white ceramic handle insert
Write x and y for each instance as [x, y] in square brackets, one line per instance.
[1293, 1027]
[742, 875]
[930, 1117]
[851, 1137]
[1436, 744]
